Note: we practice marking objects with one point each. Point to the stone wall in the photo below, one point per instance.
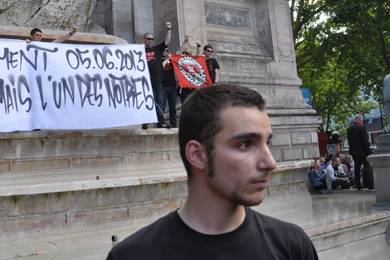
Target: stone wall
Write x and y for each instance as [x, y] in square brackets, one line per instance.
[47, 14]
[252, 41]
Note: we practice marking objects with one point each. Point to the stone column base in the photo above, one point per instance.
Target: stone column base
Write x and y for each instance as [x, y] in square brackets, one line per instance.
[381, 166]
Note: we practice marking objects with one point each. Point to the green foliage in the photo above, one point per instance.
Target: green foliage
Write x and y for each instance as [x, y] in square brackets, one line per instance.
[341, 49]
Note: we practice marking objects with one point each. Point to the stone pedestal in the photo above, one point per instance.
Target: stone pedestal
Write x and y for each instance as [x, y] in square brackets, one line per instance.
[383, 144]
[380, 162]
[253, 43]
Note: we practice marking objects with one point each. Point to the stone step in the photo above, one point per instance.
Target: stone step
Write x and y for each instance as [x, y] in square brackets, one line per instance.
[356, 232]
[67, 203]
[344, 225]
[62, 149]
[52, 202]
[88, 179]
[360, 238]
[60, 161]
[73, 179]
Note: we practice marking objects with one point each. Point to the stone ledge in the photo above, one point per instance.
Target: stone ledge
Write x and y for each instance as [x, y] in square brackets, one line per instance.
[348, 223]
[86, 180]
[379, 161]
[51, 186]
[22, 33]
[75, 133]
[133, 160]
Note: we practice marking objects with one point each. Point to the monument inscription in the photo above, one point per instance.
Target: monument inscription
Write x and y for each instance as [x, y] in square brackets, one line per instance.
[221, 15]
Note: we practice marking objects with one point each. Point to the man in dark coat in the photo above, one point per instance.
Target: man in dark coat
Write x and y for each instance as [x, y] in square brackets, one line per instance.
[359, 148]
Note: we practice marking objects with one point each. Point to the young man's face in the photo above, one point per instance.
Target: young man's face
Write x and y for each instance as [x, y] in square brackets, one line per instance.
[37, 36]
[241, 161]
[165, 53]
[148, 40]
[208, 52]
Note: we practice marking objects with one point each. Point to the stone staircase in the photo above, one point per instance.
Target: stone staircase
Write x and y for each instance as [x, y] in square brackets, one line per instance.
[64, 194]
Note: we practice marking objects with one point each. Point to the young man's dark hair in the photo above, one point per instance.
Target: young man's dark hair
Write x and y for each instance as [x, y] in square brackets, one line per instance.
[208, 46]
[33, 31]
[199, 119]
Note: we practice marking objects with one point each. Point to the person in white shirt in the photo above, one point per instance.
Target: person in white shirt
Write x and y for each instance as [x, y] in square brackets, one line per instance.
[335, 176]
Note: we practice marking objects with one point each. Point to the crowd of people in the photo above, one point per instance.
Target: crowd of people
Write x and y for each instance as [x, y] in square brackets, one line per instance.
[332, 174]
[162, 75]
[345, 171]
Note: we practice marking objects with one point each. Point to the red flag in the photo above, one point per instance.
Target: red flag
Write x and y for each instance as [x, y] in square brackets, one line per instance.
[191, 71]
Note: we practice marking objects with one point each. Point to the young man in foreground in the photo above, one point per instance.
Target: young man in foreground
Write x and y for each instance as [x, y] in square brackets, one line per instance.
[224, 134]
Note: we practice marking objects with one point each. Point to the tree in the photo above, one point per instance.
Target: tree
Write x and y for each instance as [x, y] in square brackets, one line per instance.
[366, 28]
[307, 30]
[333, 60]
[333, 100]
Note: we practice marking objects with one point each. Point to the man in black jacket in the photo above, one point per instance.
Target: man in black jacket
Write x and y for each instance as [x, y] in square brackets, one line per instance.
[359, 148]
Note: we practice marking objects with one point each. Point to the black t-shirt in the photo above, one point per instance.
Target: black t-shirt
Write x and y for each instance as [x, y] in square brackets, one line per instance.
[258, 237]
[169, 75]
[154, 58]
[212, 64]
[337, 173]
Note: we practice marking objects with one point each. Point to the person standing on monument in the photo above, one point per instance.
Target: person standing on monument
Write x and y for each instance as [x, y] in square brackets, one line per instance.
[169, 83]
[224, 135]
[154, 58]
[36, 35]
[212, 64]
[185, 51]
[359, 148]
[169, 88]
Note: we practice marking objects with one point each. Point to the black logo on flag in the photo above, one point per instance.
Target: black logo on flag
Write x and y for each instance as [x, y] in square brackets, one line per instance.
[192, 71]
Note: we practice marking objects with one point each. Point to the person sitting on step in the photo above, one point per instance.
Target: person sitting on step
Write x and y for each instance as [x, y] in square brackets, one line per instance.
[317, 177]
[335, 176]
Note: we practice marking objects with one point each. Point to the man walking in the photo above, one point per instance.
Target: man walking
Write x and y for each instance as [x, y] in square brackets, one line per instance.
[359, 148]
[224, 135]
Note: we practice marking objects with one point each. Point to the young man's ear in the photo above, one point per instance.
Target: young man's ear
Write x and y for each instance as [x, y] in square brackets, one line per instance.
[196, 155]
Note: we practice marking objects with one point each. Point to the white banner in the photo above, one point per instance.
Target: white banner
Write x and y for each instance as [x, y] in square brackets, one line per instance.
[68, 86]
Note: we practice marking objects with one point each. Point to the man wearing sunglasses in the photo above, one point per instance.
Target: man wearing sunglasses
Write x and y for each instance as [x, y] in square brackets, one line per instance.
[154, 58]
[212, 64]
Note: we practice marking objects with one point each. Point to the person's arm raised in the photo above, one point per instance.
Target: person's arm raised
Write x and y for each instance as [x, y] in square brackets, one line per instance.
[168, 36]
[66, 36]
[184, 45]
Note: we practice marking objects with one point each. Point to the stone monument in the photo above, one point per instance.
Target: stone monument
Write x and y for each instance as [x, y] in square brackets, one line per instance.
[140, 173]
[252, 40]
[380, 161]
